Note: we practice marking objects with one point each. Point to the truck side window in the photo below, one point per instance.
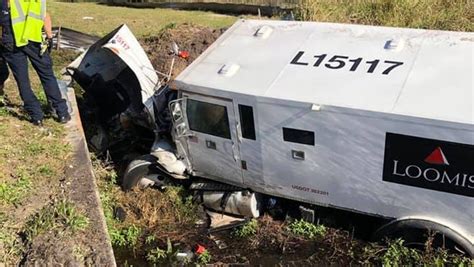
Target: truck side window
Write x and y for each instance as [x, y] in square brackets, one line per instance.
[247, 122]
[208, 118]
[298, 136]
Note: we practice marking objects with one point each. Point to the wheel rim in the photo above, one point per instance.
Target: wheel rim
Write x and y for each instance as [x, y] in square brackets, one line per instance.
[145, 183]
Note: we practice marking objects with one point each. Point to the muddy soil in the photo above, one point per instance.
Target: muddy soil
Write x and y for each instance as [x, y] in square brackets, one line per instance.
[193, 39]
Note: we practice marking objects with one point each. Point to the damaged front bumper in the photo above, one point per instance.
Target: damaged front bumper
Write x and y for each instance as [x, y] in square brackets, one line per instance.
[117, 75]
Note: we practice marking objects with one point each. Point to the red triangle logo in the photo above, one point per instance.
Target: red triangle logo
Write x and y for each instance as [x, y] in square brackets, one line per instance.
[437, 157]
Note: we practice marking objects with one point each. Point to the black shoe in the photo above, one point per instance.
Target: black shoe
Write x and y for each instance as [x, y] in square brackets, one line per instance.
[38, 123]
[64, 119]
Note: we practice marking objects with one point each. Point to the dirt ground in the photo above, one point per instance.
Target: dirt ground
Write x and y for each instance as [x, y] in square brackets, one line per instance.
[191, 38]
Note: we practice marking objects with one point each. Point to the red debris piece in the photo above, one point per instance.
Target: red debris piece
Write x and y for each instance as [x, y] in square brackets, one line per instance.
[199, 249]
[183, 54]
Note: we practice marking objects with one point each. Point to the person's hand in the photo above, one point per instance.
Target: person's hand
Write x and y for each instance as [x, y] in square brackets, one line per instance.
[49, 42]
[46, 46]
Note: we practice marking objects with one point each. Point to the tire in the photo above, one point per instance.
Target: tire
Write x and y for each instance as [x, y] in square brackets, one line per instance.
[141, 172]
[415, 233]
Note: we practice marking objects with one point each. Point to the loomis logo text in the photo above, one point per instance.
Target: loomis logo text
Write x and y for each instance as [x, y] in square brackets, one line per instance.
[431, 164]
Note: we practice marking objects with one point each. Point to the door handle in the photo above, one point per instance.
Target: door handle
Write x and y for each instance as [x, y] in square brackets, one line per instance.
[299, 155]
[211, 144]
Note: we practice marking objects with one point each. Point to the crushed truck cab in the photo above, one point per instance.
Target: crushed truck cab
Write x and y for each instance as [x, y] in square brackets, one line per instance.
[373, 120]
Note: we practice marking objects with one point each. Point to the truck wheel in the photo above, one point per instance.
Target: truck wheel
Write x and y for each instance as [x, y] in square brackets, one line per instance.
[142, 173]
[415, 233]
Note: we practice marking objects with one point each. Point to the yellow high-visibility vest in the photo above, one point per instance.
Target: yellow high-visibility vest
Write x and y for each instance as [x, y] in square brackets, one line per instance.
[27, 20]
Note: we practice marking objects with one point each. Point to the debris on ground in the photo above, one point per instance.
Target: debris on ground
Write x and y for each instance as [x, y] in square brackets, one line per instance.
[220, 221]
[192, 39]
[72, 39]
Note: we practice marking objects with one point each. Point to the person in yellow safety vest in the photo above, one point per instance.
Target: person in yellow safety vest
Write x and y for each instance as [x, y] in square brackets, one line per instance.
[22, 24]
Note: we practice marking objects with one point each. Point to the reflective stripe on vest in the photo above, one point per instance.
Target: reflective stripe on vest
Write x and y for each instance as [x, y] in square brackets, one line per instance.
[27, 27]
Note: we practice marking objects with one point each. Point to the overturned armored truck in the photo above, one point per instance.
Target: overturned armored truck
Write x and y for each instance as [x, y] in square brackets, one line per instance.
[372, 120]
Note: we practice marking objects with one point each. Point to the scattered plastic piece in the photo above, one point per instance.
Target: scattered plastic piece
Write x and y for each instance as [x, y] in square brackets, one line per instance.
[200, 249]
[183, 54]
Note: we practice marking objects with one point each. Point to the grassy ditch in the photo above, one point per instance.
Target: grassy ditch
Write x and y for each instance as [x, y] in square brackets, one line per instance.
[142, 224]
[152, 227]
[56, 216]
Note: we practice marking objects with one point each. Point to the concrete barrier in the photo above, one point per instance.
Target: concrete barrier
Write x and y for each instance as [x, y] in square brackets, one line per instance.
[85, 193]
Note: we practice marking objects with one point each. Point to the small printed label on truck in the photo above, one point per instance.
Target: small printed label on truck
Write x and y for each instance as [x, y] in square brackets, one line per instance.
[428, 163]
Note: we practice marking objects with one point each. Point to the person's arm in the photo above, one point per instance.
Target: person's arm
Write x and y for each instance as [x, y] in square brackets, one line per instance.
[48, 26]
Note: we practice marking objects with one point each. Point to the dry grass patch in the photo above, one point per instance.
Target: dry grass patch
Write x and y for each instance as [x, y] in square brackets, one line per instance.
[454, 15]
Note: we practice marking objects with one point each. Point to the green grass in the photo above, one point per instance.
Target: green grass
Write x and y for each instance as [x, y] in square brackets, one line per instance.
[126, 236]
[163, 256]
[68, 216]
[453, 15]
[121, 234]
[142, 22]
[395, 253]
[247, 230]
[10, 243]
[205, 257]
[306, 229]
[12, 192]
[11, 246]
[61, 215]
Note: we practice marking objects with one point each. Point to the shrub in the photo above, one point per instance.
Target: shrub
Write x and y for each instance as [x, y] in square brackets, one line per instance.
[246, 230]
[306, 229]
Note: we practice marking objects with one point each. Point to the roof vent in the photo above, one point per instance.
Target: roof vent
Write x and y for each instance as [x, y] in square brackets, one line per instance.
[394, 44]
[229, 69]
[263, 32]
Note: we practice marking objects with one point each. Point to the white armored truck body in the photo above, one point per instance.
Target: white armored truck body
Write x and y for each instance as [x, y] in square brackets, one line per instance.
[374, 120]
[369, 119]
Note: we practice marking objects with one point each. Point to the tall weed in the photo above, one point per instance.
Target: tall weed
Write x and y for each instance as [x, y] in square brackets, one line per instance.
[453, 15]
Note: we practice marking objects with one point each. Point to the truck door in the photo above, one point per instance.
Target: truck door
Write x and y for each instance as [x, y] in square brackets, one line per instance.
[249, 145]
[212, 144]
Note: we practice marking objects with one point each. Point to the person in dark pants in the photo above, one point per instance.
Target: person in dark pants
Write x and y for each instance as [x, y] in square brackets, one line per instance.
[17, 56]
[3, 77]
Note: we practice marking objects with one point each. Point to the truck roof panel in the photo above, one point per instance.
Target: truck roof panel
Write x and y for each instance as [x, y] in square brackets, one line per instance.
[413, 72]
